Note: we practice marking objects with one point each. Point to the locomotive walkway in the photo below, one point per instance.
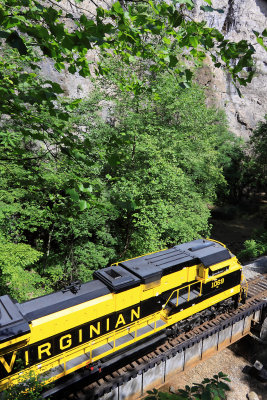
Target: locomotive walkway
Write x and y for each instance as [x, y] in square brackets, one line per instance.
[171, 356]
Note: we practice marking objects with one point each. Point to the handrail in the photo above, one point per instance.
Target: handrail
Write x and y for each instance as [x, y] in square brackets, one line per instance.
[112, 336]
[189, 289]
[244, 287]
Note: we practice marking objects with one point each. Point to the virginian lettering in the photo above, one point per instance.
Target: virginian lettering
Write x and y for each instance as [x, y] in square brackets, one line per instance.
[120, 321]
[55, 345]
[65, 342]
[44, 349]
[9, 366]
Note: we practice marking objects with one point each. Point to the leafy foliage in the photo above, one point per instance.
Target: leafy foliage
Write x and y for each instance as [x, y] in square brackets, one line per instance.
[30, 389]
[127, 191]
[259, 155]
[36, 209]
[261, 38]
[161, 187]
[159, 35]
[245, 167]
[254, 248]
[209, 389]
[246, 174]
[18, 278]
[84, 190]
[130, 32]
[178, 38]
[30, 109]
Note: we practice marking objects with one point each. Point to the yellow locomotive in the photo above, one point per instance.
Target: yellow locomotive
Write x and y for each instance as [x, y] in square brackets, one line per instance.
[133, 300]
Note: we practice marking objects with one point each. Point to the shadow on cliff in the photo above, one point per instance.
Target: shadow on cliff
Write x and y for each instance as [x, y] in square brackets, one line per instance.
[262, 4]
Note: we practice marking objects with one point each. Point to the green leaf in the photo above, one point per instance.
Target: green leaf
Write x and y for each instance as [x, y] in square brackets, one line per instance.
[207, 8]
[74, 104]
[51, 15]
[83, 189]
[188, 74]
[173, 61]
[83, 205]
[211, 9]
[100, 12]
[4, 34]
[59, 66]
[83, 19]
[73, 194]
[255, 33]
[15, 41]
[206, 395]
[193, 41]
[223, 386]
[184, 85]
[188, 2]
[72, 69]
[117, 8]
[176, 19]
[260, 41]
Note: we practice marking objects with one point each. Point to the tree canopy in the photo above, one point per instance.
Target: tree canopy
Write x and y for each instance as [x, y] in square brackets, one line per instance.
[140, 158]
[130, 31]
[142, 180]
[38, 30]
[159, 36]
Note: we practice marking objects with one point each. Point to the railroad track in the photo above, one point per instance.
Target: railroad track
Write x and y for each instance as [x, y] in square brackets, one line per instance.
[84, 386]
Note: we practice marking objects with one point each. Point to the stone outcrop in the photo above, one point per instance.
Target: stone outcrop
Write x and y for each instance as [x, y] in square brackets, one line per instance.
[74, 86]
[237, 22]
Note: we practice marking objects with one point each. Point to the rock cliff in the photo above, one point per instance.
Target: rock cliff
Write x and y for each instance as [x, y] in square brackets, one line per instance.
[238, 21]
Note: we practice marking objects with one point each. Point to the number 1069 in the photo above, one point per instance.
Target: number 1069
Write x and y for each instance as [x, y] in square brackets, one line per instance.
[217, 283]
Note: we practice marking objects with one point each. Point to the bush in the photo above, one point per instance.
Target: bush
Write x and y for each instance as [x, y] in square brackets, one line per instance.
[209, 389]
[254, 247]
[18, 276]
[30, 389]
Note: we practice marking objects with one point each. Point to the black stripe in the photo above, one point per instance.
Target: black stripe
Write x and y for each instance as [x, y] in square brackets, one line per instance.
[147, 307]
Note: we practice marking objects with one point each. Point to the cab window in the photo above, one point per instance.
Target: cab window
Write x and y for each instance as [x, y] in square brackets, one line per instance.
[218, 271]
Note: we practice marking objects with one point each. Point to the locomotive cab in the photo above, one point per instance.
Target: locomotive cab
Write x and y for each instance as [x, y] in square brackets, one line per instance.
[201, 272]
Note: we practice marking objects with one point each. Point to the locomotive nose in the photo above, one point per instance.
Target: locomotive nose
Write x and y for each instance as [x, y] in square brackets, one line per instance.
[12, 322]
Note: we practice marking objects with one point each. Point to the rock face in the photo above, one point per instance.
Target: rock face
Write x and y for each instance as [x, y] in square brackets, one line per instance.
[74, 86]
[237, 22]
